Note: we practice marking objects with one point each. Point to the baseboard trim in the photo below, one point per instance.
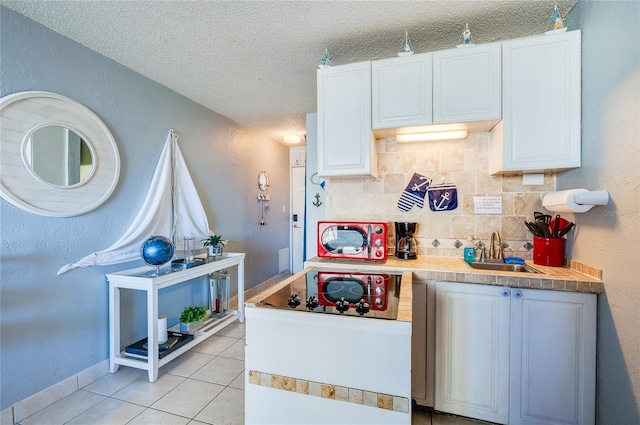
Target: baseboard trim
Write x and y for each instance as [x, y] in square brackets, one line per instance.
[31, 405]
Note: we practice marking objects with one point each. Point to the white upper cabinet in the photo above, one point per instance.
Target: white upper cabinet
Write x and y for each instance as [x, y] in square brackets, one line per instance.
[401, 91]
[467, 84]
[450, 86]
[540, 130]
[346, 146]
[525, 91]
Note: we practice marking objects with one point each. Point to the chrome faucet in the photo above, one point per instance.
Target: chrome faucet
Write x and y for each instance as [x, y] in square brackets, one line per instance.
[492, 252]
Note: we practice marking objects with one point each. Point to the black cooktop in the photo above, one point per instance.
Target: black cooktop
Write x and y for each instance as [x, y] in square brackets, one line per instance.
[347, 293]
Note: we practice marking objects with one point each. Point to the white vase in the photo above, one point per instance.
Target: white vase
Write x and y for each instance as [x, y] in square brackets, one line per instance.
[162, 329]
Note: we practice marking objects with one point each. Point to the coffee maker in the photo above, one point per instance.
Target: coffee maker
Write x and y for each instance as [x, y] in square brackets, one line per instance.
[406, 244]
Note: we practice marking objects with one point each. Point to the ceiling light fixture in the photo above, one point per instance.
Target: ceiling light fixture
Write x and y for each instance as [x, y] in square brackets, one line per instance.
[292, 139]
[424, 137]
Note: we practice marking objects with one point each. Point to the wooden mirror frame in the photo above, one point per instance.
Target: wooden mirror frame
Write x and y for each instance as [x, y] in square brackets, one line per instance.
[20, 114]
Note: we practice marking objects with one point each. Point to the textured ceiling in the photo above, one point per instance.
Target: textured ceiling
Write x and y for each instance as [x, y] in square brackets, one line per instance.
[255, 61]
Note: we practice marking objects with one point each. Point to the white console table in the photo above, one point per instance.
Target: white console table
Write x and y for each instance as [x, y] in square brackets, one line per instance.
[140, 279]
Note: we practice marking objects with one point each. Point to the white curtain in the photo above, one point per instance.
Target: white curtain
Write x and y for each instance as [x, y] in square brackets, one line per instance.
[155, 217]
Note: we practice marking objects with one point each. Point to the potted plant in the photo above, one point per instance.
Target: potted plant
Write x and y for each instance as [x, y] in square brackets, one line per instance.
[215, 244]
[192, 318]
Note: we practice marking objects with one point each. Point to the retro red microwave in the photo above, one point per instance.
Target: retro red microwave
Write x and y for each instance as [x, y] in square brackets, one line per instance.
[356, 240]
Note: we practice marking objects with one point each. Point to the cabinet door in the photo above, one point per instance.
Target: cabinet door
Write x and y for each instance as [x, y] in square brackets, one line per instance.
[553, 342]
[541, 104]
[345, 142]
[472, 350]
[467, 84]
[401, 91]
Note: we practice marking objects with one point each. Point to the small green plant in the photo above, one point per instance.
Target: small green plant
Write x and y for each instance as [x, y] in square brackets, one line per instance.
[193, 314]
[214, 240]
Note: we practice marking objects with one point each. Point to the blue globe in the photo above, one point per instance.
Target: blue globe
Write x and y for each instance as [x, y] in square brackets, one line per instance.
[156, 250]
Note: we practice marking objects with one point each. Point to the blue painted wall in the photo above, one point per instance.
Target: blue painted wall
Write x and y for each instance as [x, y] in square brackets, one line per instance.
[52, 327]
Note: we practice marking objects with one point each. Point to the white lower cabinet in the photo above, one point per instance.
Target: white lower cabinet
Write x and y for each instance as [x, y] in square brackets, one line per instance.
[515, 356]
[553, 357]
[472, 351]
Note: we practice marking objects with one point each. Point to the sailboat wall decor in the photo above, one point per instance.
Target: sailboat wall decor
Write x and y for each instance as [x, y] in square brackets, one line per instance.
[172, 208]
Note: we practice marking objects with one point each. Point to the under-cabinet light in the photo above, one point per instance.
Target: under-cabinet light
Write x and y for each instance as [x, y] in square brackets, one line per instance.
[423, 137]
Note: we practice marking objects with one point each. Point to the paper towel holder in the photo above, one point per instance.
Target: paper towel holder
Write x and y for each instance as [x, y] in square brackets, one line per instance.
[574, 200]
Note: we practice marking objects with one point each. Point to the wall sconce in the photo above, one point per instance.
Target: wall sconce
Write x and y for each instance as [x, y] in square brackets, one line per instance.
[424, 137]
[292, 139]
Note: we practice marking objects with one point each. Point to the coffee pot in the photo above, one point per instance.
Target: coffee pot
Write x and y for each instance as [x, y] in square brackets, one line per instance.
[406, 244]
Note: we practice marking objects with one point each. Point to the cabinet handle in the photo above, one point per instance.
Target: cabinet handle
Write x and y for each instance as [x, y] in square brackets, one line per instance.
[505, 292]
[517, 293]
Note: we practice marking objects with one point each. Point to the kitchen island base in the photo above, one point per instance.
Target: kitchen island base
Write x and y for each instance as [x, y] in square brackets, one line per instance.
[309, 368]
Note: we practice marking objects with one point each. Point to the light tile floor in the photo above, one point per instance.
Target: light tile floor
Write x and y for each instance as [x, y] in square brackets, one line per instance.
[203, 386]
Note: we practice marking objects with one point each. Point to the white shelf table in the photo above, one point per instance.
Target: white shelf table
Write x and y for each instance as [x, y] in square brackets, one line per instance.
[140, 279]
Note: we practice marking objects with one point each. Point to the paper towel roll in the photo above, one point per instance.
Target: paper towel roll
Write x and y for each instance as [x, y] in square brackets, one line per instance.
[162, 329]
[574, 200]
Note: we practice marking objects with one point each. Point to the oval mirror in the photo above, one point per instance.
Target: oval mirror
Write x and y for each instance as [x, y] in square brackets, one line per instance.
[57, 158]
[263, 181]
[58, 155]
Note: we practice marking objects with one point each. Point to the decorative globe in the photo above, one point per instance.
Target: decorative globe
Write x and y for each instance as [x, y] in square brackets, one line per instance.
[156, 250]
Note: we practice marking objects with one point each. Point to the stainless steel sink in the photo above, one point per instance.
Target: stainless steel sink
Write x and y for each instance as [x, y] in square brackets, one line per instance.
[503, 267]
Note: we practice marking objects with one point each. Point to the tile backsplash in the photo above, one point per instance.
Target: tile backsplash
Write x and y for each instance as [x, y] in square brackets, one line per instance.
[464, 163]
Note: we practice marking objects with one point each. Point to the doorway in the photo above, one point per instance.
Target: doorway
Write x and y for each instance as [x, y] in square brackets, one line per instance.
[297, 217]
